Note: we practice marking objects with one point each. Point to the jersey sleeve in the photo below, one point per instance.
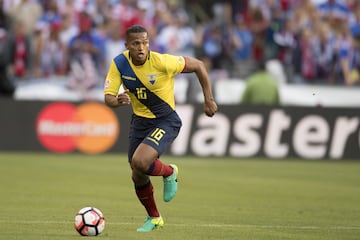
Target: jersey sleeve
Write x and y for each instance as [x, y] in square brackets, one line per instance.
[174, 64]
[113, 80]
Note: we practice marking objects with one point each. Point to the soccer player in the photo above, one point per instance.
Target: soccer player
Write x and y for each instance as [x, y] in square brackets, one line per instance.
[148, 80]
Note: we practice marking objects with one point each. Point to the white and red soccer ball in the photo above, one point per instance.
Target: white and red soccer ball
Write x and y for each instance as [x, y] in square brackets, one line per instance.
[89, 221]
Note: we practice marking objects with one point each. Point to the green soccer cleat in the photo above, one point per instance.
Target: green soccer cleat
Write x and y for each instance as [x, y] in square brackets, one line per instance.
[170, 184]
[151, 223]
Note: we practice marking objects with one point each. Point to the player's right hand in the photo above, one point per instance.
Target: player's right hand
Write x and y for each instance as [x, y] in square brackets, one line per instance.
[123, 98]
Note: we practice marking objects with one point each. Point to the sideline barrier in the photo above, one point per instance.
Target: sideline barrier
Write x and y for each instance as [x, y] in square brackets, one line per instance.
[227, 92]
[237, 131]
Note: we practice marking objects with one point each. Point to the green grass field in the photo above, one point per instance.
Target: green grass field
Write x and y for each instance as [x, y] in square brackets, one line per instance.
[217, 198]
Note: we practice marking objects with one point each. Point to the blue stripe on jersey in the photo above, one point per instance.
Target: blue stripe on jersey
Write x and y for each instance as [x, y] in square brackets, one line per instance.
[155, 104]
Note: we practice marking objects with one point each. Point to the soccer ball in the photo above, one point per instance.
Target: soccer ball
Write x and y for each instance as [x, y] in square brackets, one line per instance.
[89, 221]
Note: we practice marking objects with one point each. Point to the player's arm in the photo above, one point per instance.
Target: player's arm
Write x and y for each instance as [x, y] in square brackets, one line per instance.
[121, 99]
[112, 97]
[198, 67]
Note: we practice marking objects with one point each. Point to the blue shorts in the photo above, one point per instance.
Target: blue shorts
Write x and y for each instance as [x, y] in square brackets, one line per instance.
[158, 133]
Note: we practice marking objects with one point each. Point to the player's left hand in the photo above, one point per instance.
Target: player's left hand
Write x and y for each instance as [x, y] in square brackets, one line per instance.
[210, 107]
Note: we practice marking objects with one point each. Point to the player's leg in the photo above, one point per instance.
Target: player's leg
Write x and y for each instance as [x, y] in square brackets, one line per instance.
[144, 161]
[141, 160]
[160, 138]
[169, 174]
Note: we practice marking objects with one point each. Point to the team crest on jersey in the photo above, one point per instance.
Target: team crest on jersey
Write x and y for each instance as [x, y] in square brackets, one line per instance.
[151, 78]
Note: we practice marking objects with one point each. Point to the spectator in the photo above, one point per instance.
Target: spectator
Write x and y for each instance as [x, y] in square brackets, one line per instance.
[126, 13]
[242, 39]
[51, 52]
[69, 10]
[146, 15]
[85, 53]
[305, 57]
[227, 44]
[258, 26]
[101, 11]
[349, 60]
[343, 46]
[101, 34]
[285, 40]
[68, 29]
[49, 14]
[325, 54]
[20, 48]
[334, 10]
[264, 7]
[177, 37]
[115, 43]
[210, 44]
[213, 44]
[276, 25]
[7, 86]
[5, 18]
[304, 15]
[355, 24]
[167, 39]
[27, 12]
[261, 88]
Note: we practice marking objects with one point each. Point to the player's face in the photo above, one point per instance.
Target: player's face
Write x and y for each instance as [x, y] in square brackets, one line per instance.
[138, 46]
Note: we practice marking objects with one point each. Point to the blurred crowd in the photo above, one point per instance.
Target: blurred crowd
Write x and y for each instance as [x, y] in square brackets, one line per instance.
[316, 41]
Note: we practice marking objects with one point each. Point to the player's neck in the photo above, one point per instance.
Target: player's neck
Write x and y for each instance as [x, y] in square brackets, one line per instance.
[138, 63]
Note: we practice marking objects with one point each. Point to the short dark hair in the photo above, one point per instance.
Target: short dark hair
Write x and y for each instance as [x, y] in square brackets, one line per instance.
[135, 29]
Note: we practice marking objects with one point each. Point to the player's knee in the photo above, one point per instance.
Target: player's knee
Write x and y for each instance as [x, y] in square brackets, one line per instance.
[139, 164]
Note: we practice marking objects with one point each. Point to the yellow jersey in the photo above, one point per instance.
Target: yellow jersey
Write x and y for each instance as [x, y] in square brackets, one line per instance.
[151, 85]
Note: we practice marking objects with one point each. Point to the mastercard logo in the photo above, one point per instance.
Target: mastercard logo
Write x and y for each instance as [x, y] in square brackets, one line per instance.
[91, 128]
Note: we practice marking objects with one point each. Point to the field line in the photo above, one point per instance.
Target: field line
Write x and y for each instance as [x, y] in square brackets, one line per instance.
[255, 226]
